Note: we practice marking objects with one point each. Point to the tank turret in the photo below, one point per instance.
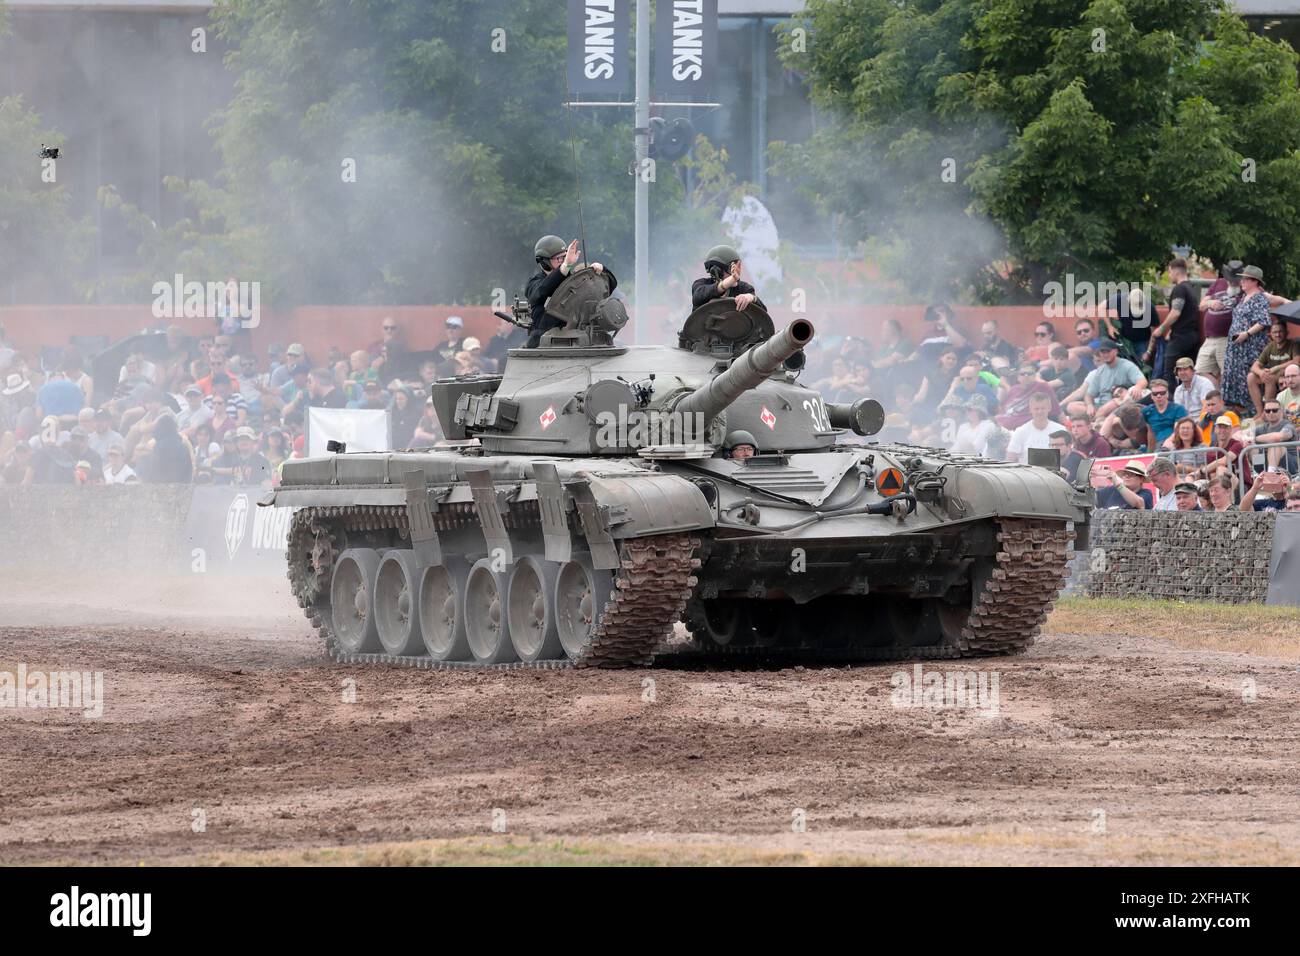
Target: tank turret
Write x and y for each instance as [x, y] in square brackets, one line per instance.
[746, 372]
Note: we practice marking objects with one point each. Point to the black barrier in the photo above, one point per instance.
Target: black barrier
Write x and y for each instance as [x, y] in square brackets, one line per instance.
[1284, 563]
[226, 532]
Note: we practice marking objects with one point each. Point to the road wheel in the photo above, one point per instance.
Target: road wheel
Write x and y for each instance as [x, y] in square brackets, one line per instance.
[486, 626]
[442, 610]
[352, 601]
[530, 610]
[397, 604]
[581, 593]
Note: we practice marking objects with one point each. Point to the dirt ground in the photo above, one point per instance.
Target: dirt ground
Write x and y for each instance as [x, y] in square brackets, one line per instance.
[1131, 733]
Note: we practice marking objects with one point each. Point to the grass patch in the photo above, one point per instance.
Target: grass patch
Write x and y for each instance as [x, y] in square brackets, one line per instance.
[1196, 625]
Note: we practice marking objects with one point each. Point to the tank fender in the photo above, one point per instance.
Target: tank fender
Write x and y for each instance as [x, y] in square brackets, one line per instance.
[1015, 492]
[639, 505]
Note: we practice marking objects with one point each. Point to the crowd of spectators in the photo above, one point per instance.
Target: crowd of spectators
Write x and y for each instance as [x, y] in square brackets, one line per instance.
[1201, 386]
[211, 410]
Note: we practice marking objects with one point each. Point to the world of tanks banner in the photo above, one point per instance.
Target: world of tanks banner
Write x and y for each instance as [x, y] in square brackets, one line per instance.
[686, 49]
[598, 47]
[226, 532]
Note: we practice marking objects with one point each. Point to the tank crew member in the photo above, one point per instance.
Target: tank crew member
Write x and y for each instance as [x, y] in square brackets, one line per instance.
[739, 444]
[723, 265]
[555, 262]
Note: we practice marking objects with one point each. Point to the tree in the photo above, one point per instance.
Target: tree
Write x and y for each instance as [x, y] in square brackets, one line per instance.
[453, 126]
[43, 248]
[38, 236]
[1087, 136]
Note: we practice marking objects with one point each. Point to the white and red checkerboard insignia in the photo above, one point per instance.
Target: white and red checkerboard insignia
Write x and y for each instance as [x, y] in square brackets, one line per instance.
[547, 418]
[768, 418]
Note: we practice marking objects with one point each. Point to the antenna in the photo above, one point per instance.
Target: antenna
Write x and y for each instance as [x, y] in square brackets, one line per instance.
[577, 181]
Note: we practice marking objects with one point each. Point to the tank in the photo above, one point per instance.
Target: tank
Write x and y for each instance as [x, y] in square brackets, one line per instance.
[582, 506]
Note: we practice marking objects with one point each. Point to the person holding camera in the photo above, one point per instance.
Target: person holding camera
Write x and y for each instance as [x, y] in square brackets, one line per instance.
[722, 263]
[1273, 484]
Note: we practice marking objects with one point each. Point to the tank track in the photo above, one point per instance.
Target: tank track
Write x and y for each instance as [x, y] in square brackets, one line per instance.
[651, 586]
[654, 581]
[1031, 566]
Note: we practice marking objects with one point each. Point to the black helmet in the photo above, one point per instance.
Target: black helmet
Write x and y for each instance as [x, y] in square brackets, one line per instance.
[548, 246]
[720, 256]
[739, 437]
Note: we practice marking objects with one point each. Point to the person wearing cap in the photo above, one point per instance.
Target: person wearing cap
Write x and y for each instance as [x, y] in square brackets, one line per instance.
[1180, 332]
[1247, 336]
[372, 396]
[102, 434]
[223, 466]
[294, 356]
[117, 471]
[1125, 491]
[79, 448]
[195, 411]
[1224, 461]
[446, 351]
[293, 393]
[1111, 372]
[974, 433]
[1191, 389]
[1186, 497]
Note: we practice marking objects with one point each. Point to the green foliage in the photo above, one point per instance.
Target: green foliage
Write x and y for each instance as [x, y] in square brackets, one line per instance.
[38, 236]
[460, 153]
[1090, 135]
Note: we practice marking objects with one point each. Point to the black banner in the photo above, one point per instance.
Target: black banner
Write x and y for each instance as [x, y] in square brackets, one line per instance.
[227, 532]
[598, 47]
[686, 48]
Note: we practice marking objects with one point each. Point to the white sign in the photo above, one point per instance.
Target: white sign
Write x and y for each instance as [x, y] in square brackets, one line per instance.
[361, 429]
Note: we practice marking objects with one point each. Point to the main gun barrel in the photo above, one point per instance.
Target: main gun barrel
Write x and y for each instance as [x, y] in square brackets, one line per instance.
[746, 372]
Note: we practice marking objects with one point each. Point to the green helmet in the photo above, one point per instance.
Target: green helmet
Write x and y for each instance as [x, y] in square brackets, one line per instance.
[721, 256]
[739, 437]
[548, 246]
